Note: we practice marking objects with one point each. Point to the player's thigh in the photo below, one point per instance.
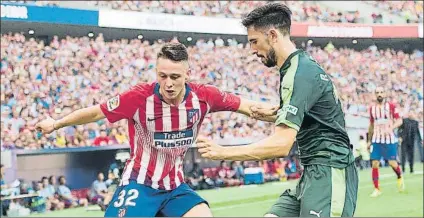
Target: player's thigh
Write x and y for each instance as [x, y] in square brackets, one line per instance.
[316, 191]
[376, 152]
[326, 191]
[183, 200]
[200, 210]
[390, 152]
[135, 200]
[352, 181]
[287, 205]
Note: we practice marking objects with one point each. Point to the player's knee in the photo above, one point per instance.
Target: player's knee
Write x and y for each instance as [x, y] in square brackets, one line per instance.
[270, 215]
[375, 164]
[200, 210]
[393, 163]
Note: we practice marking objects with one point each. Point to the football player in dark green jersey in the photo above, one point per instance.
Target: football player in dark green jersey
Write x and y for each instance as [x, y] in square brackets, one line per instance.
[310, 112]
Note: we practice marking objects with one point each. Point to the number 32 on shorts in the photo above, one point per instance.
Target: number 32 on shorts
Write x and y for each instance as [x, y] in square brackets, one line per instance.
[127, 198]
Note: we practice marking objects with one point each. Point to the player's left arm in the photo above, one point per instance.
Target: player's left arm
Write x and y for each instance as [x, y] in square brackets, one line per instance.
[397, 120]
[258, 110]
[223, 101]
[299, 95]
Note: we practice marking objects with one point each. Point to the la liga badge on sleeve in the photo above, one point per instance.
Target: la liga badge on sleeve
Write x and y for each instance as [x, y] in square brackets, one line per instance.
[113, 103]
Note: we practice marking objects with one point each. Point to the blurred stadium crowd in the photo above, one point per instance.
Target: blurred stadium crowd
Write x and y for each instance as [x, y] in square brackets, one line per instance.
[53, 193]
[67, 74]
[303, 11]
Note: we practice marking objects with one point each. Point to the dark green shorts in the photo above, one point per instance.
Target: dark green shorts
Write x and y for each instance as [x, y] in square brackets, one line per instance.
[322, 191]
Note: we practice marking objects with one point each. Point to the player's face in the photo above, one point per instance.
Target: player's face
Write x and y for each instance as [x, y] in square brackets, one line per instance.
[379, 92]
[260, 46]
[172, 77]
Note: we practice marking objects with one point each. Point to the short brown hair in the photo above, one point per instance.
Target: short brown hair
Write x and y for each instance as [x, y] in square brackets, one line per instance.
[173, 51]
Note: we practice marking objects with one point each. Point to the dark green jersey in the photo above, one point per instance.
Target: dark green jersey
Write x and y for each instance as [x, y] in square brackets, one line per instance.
[310, 104]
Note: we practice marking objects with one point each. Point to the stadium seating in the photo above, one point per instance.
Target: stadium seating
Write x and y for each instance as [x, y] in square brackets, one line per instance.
[28, 94]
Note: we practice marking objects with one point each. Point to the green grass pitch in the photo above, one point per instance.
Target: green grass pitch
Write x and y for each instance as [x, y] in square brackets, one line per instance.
[255, 200]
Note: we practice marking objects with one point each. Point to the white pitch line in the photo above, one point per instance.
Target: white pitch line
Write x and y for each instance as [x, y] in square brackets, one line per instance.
[273, 200]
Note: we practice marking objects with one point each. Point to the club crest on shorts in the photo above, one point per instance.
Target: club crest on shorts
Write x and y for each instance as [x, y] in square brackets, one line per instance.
[122, 212]
[113, 103]
[193, 115]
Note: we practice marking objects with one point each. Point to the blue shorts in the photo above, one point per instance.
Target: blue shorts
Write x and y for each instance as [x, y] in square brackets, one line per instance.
[387, 151]
[137, 200]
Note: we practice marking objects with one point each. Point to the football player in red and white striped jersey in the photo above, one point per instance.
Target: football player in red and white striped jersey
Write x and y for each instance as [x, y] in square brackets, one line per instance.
[384, 119]
[164, 119]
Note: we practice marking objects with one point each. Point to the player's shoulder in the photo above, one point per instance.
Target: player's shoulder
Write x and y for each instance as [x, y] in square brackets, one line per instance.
[309, 69]
[199, 88]
[143, 89]
[204, 91]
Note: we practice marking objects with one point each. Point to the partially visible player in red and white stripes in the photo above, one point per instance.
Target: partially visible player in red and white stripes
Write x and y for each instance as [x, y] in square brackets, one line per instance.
[383, 116]
[164, 119]
[384, 119]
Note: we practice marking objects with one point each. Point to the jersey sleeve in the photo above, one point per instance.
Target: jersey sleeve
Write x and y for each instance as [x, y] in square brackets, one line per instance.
[219, 100]
[298, 93]
[371, 117]
[395, 111]
[124, 105]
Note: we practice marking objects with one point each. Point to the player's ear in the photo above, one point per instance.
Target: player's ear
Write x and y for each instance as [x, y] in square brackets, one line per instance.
[273, 35]
[188, 75]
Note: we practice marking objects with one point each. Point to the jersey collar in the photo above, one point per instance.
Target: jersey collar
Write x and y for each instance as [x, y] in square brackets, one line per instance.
[156, 91]
[286, 64]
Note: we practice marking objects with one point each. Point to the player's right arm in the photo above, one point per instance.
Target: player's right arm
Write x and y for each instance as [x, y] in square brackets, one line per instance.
[122, 106]
[224, 101]
[78, 117]
[370, 128]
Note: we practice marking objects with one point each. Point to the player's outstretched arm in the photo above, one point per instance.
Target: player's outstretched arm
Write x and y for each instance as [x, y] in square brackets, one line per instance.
[276, 145]
[258, 110]
[78, 117]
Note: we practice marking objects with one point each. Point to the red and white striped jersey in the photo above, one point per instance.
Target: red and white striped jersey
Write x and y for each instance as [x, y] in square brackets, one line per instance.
[383, 117]
[161, 134]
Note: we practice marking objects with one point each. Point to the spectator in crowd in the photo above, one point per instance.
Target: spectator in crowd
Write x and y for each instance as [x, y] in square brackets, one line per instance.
[49, 193]
[66, 197]
[98, 190]
[238, 170]
[102, 139]
[293, 170]
[270, 172]
[409, 136]
[195, 178]
[362, 154]
[39, 203]
[222, 179]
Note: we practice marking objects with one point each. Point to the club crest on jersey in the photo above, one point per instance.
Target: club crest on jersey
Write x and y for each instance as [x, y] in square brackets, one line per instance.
[122, 212]
[113, 103]
[193, 115]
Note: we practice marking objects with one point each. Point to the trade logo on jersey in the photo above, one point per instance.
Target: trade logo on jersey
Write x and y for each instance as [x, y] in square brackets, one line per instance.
[193, 115]
[173, 139]
[113, 103]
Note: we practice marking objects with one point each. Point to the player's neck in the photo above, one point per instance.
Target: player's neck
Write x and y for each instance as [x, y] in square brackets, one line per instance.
[381, 103]
[177, 100]
[283, 51]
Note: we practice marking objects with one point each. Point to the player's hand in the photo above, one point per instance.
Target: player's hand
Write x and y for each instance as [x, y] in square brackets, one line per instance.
[209, 149]
[46, 126]
[259, 111]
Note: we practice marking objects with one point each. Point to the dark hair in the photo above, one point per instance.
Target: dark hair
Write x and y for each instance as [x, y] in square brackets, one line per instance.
[173, 51]
[361, 137]
[60, 178]
[275, 15]
[51, 179]
[43, 178]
